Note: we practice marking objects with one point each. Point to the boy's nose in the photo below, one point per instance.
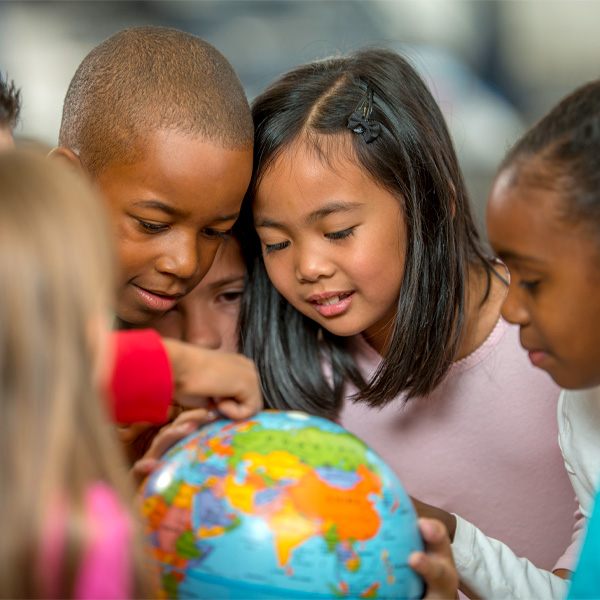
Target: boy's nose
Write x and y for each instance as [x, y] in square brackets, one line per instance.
[185, 259]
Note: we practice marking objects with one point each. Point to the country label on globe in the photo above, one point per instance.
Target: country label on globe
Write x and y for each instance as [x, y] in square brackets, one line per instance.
[282, 505]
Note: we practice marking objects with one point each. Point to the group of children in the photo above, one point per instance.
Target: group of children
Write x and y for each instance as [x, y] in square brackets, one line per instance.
[370, 298]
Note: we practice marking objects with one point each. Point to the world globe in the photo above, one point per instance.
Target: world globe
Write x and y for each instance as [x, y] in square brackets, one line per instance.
[281, 505]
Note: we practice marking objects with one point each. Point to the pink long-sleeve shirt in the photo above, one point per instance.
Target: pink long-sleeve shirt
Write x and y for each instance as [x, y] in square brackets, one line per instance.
[483, 445]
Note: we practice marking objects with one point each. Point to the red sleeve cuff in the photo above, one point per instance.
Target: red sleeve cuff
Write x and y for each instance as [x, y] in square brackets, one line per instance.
[142, 382]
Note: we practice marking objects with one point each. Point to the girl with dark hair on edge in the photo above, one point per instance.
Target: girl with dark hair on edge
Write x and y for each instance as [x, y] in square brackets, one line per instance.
[543, 219]
[371, 300]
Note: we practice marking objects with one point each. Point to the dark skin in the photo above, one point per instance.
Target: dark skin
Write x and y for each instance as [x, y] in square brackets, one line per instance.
[170, 209]
[554, 289]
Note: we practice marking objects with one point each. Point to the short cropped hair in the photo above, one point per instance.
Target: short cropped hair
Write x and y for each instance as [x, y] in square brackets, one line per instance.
[10, 103]
[147, 78]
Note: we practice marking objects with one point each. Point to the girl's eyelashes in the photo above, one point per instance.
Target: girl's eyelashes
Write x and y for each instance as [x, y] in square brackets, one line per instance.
[340, 235]
[530, 285]
[332, 237]
[274, 247]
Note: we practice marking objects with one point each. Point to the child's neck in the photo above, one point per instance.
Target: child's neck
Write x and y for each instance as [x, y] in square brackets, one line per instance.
[481, 318]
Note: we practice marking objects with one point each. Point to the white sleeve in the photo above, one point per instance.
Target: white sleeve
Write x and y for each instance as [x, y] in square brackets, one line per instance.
[492, 570]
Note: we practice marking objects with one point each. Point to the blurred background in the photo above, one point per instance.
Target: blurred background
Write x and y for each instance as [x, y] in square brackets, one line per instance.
[495, 66]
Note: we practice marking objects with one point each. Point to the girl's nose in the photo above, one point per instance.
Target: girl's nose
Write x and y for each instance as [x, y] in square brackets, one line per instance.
[311, 266]
[201, 327]
[513, 308]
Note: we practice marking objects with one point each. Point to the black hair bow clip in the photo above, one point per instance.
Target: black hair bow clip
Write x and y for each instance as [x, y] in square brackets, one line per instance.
[360, 120]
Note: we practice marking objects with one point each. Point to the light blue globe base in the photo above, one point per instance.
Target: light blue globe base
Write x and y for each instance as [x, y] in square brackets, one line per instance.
[282, 505]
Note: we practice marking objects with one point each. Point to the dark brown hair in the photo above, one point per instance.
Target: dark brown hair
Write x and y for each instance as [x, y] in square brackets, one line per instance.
[562, 153]
[413, 157]
[10, 103]
[148, 78]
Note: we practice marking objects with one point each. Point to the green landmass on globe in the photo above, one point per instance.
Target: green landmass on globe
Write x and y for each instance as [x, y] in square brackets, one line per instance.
[282, 505]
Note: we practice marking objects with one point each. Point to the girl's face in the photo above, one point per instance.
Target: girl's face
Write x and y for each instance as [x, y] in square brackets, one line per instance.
[333, 243]
[554, 292]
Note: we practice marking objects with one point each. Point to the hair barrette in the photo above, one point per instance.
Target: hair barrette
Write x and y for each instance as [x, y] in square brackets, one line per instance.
[360, 120]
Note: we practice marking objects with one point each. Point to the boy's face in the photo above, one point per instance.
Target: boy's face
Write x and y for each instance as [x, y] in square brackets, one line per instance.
[170, 210]
[208, 315]
[554, 291]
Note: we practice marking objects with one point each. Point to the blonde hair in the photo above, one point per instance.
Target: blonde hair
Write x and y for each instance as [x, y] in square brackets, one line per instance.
[55, 438]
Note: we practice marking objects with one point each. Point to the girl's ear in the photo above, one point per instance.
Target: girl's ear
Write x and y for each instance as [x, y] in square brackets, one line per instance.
[67, 157]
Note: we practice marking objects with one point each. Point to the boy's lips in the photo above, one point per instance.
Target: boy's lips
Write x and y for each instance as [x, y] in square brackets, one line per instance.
[156, 300]
[329, 304]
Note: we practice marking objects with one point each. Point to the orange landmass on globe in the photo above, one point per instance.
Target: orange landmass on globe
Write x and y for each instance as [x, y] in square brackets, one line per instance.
[351, 510]
[290, 529]
[309, 506]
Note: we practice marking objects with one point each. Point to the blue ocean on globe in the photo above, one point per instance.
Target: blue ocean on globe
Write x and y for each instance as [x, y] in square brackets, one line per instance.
[281, 505]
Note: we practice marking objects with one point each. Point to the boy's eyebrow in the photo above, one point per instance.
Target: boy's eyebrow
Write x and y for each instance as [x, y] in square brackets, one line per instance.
[320, 213]
[171, 210]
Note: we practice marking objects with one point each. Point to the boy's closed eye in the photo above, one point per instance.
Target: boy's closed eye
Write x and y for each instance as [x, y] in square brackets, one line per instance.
[215, 233]
[152, 227]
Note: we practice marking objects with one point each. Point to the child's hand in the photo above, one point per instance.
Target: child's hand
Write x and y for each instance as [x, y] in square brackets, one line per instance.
[230, 380]
[436, 564]
[427, 511]
[185, 424]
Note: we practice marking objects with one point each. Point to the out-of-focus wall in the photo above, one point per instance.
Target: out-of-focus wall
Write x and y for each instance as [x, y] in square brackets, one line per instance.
[495, 66]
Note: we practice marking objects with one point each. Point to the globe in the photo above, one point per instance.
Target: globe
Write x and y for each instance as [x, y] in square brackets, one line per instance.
[281, 505]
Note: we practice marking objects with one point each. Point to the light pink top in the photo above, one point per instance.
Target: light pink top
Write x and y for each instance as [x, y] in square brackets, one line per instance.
[106, 566]
[483, 445]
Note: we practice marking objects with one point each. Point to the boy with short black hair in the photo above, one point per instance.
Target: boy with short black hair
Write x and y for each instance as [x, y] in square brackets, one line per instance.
[160, 121]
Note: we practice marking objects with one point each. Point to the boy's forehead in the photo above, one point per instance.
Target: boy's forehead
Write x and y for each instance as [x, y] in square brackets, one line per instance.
[162, 146]
[180, 175]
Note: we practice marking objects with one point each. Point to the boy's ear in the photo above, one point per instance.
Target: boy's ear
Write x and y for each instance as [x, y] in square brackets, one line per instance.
[67, 157]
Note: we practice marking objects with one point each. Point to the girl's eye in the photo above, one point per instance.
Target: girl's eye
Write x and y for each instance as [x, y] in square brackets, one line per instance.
[151, 227]
[340, 235]
[529, 286]
[275, 247]
[215, 233]
[230, 297]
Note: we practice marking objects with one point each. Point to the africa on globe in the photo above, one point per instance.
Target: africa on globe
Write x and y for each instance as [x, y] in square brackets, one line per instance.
[281, 505]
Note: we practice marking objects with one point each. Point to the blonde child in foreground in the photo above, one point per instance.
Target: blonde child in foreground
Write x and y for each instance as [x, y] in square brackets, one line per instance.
[543, 220]
[63, 512]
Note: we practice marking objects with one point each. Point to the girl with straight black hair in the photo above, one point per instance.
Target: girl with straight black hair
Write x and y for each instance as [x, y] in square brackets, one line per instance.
[371, 300]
